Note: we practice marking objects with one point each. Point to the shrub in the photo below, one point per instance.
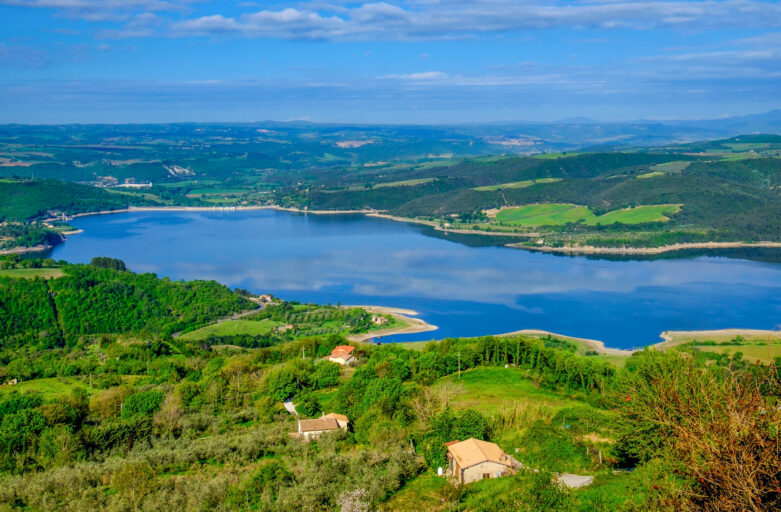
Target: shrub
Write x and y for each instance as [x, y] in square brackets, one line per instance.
[145, 403]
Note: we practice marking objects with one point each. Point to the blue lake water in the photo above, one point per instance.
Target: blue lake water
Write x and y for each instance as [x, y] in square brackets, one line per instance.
[464, 290]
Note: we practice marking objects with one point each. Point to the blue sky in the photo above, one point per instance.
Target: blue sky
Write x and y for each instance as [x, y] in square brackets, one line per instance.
[398, 61]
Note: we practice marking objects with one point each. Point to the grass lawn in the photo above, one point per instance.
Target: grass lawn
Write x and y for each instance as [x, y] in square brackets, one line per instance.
[48, 388]
[558, 214]
[650, 175]
[518, 184]
[29, 273]
[487, 389]
[533, 213]
[404, 183]
[675, 166]
[232, 327]
[422, 493]
[637, 215]
[751, 352]
[217, 191]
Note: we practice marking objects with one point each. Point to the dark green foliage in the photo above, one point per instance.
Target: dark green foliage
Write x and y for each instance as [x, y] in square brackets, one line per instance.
[17, 402]
[31, 199]
[307, 404]
[27, 235]
[327, 374]
[145, 403]
[26, 308]
[110, 263]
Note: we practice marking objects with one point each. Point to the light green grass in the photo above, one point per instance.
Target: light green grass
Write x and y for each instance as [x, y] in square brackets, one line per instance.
[48, 388]
[488, 389]
[232, 328]
[556, 214]
[638, 215]
[525, 214]
[29, 273]
[650, 175]
[422, 493]
[217, 191]
[518, 184]
[740, 156]
[674, 166]
[404, 183]
[752, 353]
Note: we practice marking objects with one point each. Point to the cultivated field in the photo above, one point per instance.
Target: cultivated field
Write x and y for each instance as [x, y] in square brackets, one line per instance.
[558, 214]
[29, 273]
[232, 328]
[518, 184]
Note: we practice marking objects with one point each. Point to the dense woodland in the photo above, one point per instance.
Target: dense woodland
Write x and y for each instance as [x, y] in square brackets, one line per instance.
[91, 299]
[131, 418]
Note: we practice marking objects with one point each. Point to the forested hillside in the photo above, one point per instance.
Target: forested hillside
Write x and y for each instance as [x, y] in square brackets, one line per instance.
[22, 200]
[93, 300]
[109, 421]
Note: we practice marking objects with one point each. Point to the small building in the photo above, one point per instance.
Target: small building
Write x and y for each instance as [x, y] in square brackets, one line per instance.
[342, 354]
[312, 429]
[379, 320]
[341, 419]
[473, 459]
[284, 328]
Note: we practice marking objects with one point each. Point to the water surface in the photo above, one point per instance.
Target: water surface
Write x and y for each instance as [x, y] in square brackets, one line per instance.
[465, 290]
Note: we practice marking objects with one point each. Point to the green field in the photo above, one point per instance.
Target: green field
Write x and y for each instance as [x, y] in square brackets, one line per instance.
[751, 352]
[231, 328]
[556, 214]
[48, 388]
[675, 166]
[404, 183]
[650, 175]
[487, 389]
[217, 191]
[29, 273]
[518, 184]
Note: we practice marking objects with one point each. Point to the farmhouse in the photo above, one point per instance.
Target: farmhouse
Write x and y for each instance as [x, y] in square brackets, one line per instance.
[379, 320]
[342, 354]
[311, 429]
[473, 459]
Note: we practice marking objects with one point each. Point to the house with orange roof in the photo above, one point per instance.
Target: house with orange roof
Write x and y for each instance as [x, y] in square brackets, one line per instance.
[473, 459]
[342, 354]
[312, 429]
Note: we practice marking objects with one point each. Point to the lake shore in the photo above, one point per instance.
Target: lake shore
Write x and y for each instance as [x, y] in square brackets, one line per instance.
[595, 345]
[380, 214]
[677, 338]
[405, 316]
[645, 250]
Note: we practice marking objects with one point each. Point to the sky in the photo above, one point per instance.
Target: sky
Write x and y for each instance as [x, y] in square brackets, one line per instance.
[394, 61]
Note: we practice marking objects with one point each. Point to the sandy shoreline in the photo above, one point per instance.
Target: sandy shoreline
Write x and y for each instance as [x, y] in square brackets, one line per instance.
[676, 338]
[595, 345]
[436, 226]
[25, 250]
[645, 250]
[413, 325]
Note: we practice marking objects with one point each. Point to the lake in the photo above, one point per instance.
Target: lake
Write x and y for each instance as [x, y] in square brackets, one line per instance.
[464, 289]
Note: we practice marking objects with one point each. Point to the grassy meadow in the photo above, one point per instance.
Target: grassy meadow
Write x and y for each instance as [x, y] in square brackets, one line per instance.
[232, 328]
[30, 273]
[559, 214]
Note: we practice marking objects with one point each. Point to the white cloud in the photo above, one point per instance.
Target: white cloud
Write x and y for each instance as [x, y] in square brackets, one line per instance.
[432, 19]
[419, 77]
